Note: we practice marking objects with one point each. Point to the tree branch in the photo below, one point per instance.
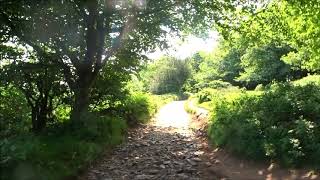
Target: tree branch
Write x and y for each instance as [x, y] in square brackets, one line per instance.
[66, 69]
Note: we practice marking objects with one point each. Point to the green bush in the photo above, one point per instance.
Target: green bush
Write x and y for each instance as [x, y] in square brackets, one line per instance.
[281, 123]
[14, 112]
[62, 154]
[189, 106]
[259, 87]
[94, 127]
[209, 94]
[163, 99]
[65, 147]
[205, 95]
[215, 84]
[308, 80]
[138, 108]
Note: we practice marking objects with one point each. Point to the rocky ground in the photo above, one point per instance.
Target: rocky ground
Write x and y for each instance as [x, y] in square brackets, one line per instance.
[164, 149]
[168, 149]
[153, 152]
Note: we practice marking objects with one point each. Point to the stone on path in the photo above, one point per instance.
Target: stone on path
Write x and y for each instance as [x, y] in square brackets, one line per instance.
[164, 149]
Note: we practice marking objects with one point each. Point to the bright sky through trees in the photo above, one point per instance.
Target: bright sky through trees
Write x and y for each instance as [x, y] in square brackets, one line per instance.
[183, 49]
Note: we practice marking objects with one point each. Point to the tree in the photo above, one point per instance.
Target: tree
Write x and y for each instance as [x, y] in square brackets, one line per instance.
[262, 65]
[276, 41]
[194, 63]
[81, 36]
[222, 64]
[166, 75]
[303, 25]
[41, 84]
[291, 22]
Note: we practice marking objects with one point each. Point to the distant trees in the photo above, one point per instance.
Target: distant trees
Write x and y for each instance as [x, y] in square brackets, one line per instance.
[166, 75]
[262, 65]
[222, 64]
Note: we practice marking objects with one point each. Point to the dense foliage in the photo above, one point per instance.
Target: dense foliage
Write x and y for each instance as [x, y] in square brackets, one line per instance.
[14, 113]
[64, 70]
[60, 153]
[275, 42]
[272, 50]
[278, 122]
[166, 75]
[281, 123]
[70, 42]
[62, 150]
[73, 75]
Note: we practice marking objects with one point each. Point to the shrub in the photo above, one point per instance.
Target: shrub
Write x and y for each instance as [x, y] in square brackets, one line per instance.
[138, 108]
[281, 123]
[189, 106]
[14, 112]
[215, 84]
[163, 99]
[308, 80]
[95, 127]
[62, 154]
[259, 87]
[209, 94]
[205, 95]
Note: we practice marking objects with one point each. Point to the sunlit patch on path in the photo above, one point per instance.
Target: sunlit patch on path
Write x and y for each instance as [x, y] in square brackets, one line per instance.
[173, 115]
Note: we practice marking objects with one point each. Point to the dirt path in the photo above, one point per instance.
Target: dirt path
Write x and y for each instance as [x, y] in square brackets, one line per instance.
[167, 149]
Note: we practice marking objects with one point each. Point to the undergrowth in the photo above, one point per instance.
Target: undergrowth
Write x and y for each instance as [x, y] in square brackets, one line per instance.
[280, 123]
[61, 152]
[67, 147]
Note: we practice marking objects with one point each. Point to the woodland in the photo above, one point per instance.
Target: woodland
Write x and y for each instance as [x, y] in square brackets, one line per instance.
[75, 77]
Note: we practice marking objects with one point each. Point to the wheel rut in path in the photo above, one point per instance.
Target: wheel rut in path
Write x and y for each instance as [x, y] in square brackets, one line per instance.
[163, 149]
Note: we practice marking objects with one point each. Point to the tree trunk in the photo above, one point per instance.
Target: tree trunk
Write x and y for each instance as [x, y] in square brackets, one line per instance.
[88, 69]
[81, 102]
[39, 118]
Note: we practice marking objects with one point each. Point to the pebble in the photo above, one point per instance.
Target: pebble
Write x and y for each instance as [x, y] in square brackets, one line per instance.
[153, 153]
